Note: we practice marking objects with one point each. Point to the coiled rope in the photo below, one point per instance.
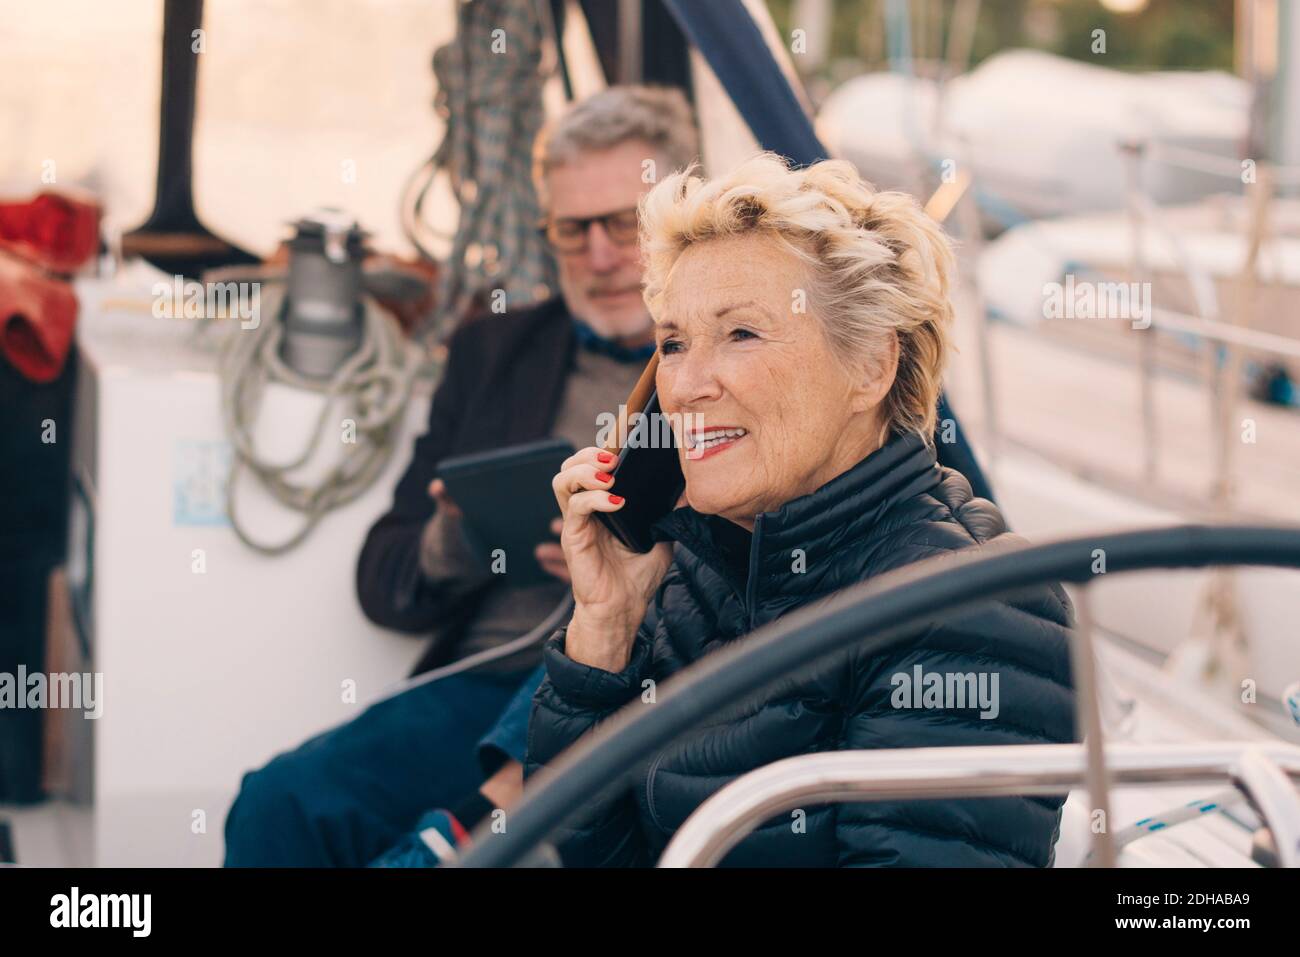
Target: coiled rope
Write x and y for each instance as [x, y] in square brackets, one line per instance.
[374, 383]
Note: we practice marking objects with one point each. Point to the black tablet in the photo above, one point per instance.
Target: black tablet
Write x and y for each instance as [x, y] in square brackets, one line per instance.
[508, 504]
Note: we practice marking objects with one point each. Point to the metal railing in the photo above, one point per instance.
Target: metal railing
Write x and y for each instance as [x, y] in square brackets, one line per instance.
[1225, 331]
[1229, 328]
[1266, 773]
[875, 617]
[1221, 331]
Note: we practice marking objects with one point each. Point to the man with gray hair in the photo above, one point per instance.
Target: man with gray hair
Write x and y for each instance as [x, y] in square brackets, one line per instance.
[456, 744]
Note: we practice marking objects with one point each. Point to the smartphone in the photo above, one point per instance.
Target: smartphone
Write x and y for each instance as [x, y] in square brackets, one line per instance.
[648, 473]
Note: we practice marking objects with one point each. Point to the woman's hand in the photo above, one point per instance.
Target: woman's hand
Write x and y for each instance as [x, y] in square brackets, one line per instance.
[612, 585]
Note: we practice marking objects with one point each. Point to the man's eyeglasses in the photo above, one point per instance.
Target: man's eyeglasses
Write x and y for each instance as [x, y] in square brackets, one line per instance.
[569, 234]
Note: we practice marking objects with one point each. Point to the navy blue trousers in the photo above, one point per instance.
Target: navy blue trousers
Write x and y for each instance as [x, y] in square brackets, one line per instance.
[351, 793]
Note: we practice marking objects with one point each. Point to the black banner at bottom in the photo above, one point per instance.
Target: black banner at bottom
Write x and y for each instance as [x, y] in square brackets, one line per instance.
[212, 906]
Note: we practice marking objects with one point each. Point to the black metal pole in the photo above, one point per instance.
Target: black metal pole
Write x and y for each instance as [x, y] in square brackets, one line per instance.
[173, 238]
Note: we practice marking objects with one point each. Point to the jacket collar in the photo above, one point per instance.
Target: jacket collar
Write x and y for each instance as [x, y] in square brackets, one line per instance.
[843, 511]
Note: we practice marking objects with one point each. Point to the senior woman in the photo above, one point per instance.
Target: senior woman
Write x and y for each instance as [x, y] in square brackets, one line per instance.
[803, 319]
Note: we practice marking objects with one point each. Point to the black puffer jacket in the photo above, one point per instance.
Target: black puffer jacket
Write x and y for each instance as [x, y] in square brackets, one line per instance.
[895, 507]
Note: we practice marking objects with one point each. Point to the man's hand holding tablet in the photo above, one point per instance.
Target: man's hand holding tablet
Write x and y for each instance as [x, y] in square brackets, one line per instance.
[506, 506]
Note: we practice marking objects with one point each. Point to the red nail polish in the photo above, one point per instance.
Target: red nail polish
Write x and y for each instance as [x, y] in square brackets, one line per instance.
[604, 477]
[604, 457]
[616, 500]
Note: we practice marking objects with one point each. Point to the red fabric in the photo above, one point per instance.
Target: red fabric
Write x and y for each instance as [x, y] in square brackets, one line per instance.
[37, 317]
[56, 232]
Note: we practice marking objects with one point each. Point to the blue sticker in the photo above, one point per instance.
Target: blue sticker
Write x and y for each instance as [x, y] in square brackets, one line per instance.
[200, 471]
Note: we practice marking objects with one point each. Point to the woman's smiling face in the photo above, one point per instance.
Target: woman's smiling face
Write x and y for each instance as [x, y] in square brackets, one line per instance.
[771, 414]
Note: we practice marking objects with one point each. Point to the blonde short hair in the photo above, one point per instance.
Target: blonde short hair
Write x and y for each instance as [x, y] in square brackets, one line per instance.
[878, 265]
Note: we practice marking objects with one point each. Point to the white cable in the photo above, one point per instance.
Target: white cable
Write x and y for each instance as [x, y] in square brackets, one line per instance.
[1171, 817]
